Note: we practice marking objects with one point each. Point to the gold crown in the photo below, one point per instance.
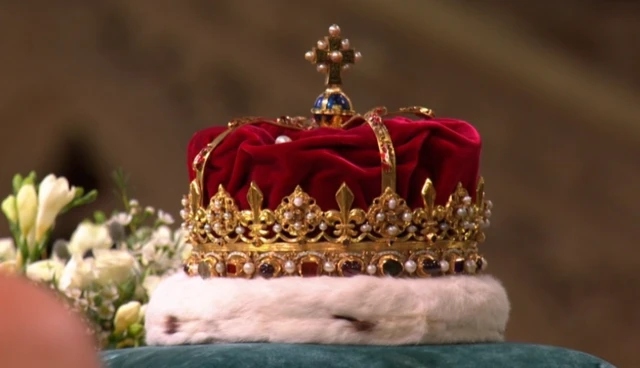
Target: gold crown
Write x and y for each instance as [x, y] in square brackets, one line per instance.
[389, 238]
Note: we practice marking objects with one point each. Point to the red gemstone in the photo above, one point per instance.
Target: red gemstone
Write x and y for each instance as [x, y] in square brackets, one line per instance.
[231, 269]
[309, 269]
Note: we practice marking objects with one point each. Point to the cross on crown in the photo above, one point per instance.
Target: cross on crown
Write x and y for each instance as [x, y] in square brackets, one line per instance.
[332, 56]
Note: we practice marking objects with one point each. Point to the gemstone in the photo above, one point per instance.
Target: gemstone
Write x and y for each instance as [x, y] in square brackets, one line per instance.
[458, 265]
[309, 269]
[391, 267]
[351, 268]
[204, 270]
[267, 270]
[231, 269]
[431, 267]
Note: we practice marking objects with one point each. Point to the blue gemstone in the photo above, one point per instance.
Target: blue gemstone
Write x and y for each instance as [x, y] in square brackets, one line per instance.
[340, 100]
[318, 104]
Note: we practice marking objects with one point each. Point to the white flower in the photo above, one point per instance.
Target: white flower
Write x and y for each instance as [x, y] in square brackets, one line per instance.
[150, 284]
[89, 236]
[27, 208]
[9, 209]
[78, 273]
[122, 218]
[7, 249]
[114, 266]
[165, 218]
[54, 195]
[126, 315]
[47, 270]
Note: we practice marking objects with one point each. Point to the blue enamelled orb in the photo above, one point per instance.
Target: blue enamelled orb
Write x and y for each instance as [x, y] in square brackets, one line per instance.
[332, 103]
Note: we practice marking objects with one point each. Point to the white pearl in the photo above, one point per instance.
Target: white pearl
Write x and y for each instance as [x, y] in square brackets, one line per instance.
[248, 268]
[392, 204]
[184, 214]
[322, 45]
[407, 216]
[239, 230]
[444, 226]
[227, 216]
[365, 228]
[444, 266]
[345, 44]
[298, 201]
[412, 229]
[207, 228]
[220, 267]
[380, 217]
[470, 266]
[489, 205]
[323, 226]
[217, 227]
[467, 225]
[486, 223]
[346, 67]
[288, 215]
[329, 267]
[466, 200]
[297, 226]
[372, 269]
[393, 230]
[461, 212]
[277, 228]
[217, 204]
[289, 267]
[410, 266]
[210, 217]
[487, 213]
[309, 55]
[282, 139]
[357, 57]
[336, 56]
[311, 216]
[334, 30]
[184, 202]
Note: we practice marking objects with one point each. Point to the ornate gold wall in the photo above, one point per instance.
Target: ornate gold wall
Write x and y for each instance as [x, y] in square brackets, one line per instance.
[552, 87]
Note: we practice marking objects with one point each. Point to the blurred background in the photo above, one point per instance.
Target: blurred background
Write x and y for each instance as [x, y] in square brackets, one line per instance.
[553, 87]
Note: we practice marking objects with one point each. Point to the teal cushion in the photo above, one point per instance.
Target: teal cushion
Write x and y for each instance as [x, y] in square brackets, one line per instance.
[307, 356]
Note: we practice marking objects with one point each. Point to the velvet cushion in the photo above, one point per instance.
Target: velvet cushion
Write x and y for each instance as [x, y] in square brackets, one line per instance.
[447, 151]
[276, 355]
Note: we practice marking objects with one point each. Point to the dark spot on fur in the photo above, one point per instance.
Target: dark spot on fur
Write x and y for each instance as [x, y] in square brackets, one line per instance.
[171, 325]
[360, 326]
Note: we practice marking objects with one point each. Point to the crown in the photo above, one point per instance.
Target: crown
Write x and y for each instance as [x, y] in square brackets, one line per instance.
[296, 196]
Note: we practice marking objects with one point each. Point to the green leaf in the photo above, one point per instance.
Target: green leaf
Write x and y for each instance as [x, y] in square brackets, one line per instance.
[17, 183]
[79, 192]
[86, 199]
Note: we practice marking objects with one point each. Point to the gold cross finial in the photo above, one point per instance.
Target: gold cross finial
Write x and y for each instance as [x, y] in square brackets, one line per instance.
[332, 56]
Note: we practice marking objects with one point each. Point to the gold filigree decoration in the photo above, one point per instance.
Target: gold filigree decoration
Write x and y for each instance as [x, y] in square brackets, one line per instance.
[298, 215]
[389, 215]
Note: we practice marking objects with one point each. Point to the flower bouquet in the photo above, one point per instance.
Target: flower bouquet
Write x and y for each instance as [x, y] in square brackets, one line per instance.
[108, 268]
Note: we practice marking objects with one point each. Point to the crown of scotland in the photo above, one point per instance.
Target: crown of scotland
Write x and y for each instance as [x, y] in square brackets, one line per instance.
[376, 194]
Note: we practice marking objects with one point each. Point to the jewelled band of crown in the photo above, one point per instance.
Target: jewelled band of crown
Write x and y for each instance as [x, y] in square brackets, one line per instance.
[388, 239]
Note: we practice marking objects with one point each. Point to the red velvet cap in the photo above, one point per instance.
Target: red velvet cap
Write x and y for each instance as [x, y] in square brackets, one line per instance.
[447, 151]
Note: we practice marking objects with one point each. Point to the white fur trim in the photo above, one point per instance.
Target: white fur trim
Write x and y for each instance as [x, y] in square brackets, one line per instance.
[452, 309]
